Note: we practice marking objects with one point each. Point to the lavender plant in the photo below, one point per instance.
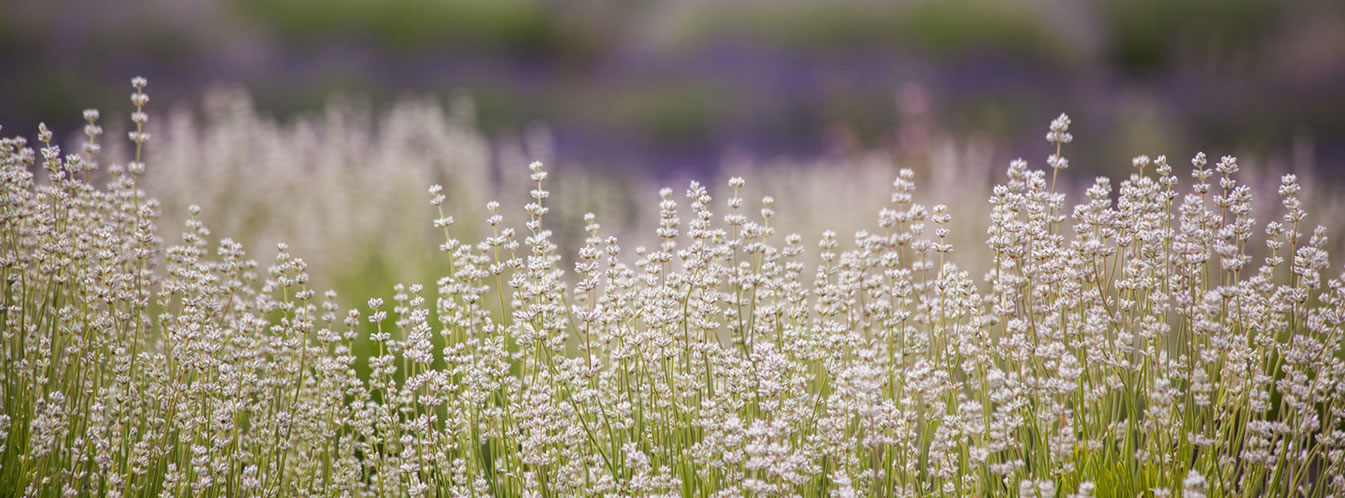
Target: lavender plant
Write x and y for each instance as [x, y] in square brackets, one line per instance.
[1139, 342]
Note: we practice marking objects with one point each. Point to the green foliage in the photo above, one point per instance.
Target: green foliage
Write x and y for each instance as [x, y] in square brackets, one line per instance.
[504, 24]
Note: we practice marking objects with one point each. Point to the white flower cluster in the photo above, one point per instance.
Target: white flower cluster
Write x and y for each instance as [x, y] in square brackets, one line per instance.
[1131, 345]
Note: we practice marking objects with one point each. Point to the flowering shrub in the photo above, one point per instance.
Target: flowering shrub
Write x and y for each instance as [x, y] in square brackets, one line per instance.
[1140, 343]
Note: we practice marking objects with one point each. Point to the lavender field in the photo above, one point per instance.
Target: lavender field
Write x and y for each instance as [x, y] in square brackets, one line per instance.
[1163, 334]
[642, 248]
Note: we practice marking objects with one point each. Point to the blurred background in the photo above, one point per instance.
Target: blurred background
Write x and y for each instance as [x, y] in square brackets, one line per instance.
[680, 88]
[321, 122]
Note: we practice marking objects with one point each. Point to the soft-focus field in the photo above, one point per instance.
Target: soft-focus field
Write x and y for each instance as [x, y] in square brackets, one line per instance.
[815, 330]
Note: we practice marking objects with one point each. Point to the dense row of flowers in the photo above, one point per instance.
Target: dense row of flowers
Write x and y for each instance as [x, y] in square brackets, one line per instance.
[1152, 339]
